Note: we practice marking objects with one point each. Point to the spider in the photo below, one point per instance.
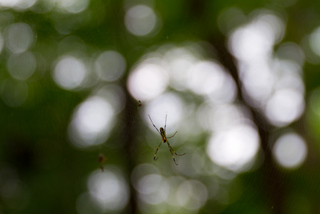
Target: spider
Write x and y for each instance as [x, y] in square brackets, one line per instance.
[139, 103]
[162, 132]
[101, 159]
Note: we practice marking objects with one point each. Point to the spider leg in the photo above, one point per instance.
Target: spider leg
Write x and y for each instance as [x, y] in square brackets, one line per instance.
[175, 151]
[172, 151]
[153, 124]
[155, 154]
[173, 135]
[170, 148]
[165, 124]
[179, 154]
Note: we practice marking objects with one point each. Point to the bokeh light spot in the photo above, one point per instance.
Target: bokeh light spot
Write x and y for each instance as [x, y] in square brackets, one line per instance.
[205, 78]
[110, 65]
[73, 6]
[235, 148]
[290, 150]
[179, 60]
[140, 20]
[69, 72]
[273, 85]
[314, 41]
[8, 3]
[149, 183]
[255, 40]
[14, 92]
[147, 81]
[284, 107]
[258, 83]
[17, 4]
[220, 118]
[210, 79]
[22, 66]
[115, 95]
[140, 171]
[91, 122]
[153, 189]
[19, 37]
[248, 43]
[192, 194]
[168, 104]
[108, 190]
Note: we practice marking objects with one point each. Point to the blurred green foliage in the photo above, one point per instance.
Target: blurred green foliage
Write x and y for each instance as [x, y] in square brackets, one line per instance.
[51, 173]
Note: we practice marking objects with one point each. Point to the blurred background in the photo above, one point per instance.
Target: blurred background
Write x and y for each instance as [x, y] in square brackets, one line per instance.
[238, 80]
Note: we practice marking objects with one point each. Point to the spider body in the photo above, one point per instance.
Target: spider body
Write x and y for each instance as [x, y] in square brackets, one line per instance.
[165, 140]
[163, 135]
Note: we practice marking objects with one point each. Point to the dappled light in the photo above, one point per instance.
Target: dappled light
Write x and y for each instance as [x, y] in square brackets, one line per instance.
[209, 79]
[183, 71]
[155, 189]
[234, 141]
[17, 4]
[255, 40]
[273, 85]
